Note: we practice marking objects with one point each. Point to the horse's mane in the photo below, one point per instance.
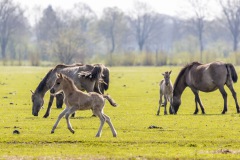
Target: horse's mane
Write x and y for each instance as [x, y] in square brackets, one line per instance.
[42, 84]
[181, 73]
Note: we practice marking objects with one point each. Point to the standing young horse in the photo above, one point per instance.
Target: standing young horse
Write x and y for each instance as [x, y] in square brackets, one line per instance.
[75, 99]
[207, 78]
[83, 83]
[166, 91]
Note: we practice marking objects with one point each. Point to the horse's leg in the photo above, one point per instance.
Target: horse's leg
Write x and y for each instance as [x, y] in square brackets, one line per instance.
[160, 104]
[108, 120]
[59, 118]
[198, 101]
[102, 121]
[171, 109]
[70, 111]
[59, 100]
[165, 105]
[49, 106]
[224, 95]
[234, 94]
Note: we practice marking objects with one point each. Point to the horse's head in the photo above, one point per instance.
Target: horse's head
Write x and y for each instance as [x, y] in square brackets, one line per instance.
[57, 87]
[166, 76]
[38, 102]
[176, 103]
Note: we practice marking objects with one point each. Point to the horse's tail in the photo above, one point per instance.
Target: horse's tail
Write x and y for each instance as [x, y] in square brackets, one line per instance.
[110, 100]
[233, 72]
[105, 78]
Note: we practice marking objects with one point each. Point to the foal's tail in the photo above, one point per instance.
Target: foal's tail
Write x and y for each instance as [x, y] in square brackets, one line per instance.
[233, 72]
[110, 100]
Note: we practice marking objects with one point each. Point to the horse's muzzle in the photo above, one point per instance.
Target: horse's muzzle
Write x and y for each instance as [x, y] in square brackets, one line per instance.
[52, 91]
[35, 114]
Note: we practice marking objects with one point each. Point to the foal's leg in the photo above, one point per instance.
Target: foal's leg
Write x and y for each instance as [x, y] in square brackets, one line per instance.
[70, 111]
[59, 102]
[160, 103]
[165, 105]
[234, 94]
[108, 120]
[49, 106]
[224, 95]
[59, 118]
[198, 101]
[102, 121]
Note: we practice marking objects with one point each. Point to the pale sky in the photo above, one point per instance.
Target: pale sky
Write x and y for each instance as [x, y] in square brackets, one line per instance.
[169, 7]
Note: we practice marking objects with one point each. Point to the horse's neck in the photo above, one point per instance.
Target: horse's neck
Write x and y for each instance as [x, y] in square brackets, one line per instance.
[179, 88]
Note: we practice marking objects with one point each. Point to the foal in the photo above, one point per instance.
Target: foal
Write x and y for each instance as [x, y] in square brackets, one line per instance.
[75, 99]
[166, 90]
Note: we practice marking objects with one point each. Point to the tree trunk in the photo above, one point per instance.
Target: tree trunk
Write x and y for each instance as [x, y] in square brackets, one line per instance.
[3, 49]
[235, 43]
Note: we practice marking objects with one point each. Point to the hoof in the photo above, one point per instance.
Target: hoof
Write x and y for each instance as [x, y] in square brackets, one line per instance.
[45, 116]
[72, 131]
[52, 132]
[98, 135]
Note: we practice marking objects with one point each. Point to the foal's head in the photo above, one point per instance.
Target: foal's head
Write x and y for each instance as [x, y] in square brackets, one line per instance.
[166, 76]
[58, 85]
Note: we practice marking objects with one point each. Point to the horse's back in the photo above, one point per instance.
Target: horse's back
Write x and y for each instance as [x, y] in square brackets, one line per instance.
[207, 77]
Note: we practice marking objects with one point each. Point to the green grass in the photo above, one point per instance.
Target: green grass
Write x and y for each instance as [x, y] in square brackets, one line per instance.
[136, 90]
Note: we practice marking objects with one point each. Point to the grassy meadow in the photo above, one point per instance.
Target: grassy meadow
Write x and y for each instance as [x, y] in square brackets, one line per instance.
[136, 90]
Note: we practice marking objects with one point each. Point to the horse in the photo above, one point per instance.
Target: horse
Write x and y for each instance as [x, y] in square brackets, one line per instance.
[88, 83]
[166, 90]
[75, 99]
[206, 78]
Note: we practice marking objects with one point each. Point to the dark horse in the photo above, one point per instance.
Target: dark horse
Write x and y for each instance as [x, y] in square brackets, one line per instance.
[85, 77]
[207, 78]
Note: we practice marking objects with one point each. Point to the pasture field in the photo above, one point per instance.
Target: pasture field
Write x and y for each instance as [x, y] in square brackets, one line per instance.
[136, 90]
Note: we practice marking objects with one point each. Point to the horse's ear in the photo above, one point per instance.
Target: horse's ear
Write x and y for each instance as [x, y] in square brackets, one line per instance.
[170, 72]
[163, 74]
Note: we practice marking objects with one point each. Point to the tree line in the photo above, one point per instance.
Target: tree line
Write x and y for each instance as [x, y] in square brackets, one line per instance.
[140, 37]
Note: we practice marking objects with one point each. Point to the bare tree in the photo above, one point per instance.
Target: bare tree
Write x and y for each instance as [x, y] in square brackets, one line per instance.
[231, 9]
[84, 15]
[67, 46]
[200, 9]
[47, 31]
[143, 21]
[112, 26]
[11, 20]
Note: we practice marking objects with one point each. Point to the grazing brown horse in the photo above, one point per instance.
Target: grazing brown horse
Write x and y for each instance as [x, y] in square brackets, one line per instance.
[75, 99]
[88, 81]
[207, 78]
[166, 91]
